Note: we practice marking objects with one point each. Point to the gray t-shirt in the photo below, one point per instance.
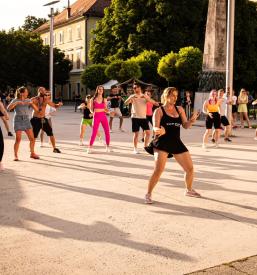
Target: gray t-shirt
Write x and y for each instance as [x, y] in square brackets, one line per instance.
[21, 110]
[138, 109]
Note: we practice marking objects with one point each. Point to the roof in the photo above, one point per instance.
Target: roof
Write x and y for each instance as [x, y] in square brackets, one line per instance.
[132, 80]
[78, 9]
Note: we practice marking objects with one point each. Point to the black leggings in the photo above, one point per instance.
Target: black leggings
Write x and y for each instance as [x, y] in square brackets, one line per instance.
[1, 145]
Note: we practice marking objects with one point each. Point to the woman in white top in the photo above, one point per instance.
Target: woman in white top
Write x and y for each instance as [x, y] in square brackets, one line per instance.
[48, 114]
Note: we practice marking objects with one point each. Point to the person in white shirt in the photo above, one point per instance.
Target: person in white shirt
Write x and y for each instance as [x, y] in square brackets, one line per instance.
[48, 114]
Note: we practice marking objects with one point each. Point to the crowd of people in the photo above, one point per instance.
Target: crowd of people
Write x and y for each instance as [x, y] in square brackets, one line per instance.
[160, 119]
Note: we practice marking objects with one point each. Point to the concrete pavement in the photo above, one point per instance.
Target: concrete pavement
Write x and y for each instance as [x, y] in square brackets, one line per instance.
[84, 214]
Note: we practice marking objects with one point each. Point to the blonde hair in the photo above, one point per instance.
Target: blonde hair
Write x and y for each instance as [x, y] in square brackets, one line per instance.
[20, 91]
[166, 93]
[241, 94]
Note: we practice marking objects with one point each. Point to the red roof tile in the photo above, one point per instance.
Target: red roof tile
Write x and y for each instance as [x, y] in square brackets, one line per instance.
[78, 9]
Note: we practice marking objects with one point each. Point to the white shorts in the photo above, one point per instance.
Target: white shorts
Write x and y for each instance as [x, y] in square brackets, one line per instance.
[115, 112]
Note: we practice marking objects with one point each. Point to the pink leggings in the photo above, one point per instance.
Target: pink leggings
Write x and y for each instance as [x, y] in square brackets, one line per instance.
[100, 118]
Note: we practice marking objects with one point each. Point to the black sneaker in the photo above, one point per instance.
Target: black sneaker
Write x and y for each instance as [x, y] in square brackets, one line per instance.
[10, 134]
[142, 139]
[213, 140]
[56, 150]
[228, 139]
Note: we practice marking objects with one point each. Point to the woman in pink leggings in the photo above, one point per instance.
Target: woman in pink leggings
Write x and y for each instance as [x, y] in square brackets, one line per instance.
[98, 105]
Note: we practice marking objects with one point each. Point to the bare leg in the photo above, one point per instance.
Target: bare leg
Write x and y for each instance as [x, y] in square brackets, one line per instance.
[31, 138]
[185, 161]
[82, 132]
[121, 122]
[110, 122]
[242, 119]
[17, 143]
[52, 139]
[160, 162]
[135, 139]
[6, 124]
[247, 119]
[42, 136]
[206, 136]
[147, 137]
[217, 135]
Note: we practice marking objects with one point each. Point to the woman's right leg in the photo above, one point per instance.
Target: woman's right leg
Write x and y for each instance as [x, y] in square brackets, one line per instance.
[247, 119]
[82, 132]
[96, 122]
[17, 143]
[242, 119]
[160, 162]
[206, 136]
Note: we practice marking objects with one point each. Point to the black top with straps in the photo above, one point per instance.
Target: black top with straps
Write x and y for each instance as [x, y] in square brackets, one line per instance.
[86, 113]
[170, 142]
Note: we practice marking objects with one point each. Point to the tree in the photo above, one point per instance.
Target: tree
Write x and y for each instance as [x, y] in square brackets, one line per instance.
[182, 69]
[148, 61]
[131, 26]
[24, 60]
[31, 23]
[94, 75]
[123, 70]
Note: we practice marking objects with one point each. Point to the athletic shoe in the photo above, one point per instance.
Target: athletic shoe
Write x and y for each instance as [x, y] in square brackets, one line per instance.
[10, 134]
[89, 150]
[1, 167]
[42, 145]
[135, 151]
[108, 149]
[56, 150]
[213, 140]
[192, 193]
[148, 199]
[34, 156]
[121, 130]
[204, 146]
[216, 145]
[81, 143]
[228, 139]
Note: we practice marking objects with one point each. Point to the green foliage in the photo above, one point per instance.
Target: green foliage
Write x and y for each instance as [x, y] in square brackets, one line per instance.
[31, 23]
[123, 70]
[25, 60]
[94, 75]
[131, 26]
[148, 61]
[182, 69]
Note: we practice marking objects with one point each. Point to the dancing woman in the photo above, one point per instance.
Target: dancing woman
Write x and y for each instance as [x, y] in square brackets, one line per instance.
[21, 120]
[167, 120]
[98, 106]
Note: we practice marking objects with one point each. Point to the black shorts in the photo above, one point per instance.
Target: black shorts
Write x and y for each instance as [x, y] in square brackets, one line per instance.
[150, 119]
[213, 121]
[224, 121]
[234, 109]
[41, 123]
[139, 122]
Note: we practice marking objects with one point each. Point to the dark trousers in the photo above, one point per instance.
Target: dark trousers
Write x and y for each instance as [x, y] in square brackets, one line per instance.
[1, 145]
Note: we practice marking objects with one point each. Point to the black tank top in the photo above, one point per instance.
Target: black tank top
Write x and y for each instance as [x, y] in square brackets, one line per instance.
[86, 113]
[171, 125]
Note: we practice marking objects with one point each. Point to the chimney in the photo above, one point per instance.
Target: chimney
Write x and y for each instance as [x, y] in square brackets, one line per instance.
[68, 10]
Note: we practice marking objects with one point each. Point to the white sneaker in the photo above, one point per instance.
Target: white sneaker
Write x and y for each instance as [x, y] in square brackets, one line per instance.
[81, 143]
[121, 130]
[108, 149]
[42, 145]
[216, 145]
[89, 150]
[136, 151]
[204, 146]
[1, 167]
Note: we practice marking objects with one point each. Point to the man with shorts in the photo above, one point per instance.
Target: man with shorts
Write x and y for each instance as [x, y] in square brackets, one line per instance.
[138, 115]
[115, 98]
[39, 121]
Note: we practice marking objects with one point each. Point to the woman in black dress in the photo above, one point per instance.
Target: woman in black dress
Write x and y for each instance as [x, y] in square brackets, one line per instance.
[166, 125]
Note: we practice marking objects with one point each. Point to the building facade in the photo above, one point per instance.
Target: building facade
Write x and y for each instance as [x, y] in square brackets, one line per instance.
[72, 35]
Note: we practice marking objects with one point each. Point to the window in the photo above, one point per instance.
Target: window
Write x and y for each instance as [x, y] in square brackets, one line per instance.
[46, 40]
[69, 35]
[78, 59]
[78, 29]
[54, 38]
[61, 37]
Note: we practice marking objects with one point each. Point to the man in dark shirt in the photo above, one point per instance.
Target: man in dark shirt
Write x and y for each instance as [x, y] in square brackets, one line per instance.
[115, 98]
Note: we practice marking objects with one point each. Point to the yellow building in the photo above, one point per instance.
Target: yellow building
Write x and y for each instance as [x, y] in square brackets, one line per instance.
[72, 35]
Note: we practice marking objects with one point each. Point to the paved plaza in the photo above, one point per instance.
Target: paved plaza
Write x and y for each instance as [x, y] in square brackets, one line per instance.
[74, 213]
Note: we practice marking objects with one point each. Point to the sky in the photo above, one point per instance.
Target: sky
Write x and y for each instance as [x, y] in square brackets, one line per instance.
[13, 12]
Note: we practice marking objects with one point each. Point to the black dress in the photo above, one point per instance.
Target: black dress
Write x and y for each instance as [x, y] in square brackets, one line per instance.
[170, 142]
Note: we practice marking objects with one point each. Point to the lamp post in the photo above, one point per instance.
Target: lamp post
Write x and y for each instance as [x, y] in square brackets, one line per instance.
[51, 52]
[230, 57]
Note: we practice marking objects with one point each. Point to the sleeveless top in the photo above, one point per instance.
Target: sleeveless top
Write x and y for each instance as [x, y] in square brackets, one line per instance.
[213, 108]
[86, 113]
[170, 142]
[97, 105]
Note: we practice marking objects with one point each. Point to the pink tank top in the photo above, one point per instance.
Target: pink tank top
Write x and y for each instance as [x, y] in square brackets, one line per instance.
[149, 109]
[97, 105]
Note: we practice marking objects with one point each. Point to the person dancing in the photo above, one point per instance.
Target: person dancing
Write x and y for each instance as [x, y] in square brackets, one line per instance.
[3, 111]
[21, 122]
[211, 108]
[167, 120]
[98, 106]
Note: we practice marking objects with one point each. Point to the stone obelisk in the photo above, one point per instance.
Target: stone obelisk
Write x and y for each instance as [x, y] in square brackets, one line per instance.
[214, 57]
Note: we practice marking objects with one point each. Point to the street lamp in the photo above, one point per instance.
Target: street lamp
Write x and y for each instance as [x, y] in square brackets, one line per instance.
[51, 53]
[230, 57]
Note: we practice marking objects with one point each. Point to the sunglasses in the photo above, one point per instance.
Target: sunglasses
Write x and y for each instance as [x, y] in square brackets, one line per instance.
[135, 87]
[47, 95]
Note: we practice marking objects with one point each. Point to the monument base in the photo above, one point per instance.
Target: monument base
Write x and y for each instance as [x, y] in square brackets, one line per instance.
[209, 80]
